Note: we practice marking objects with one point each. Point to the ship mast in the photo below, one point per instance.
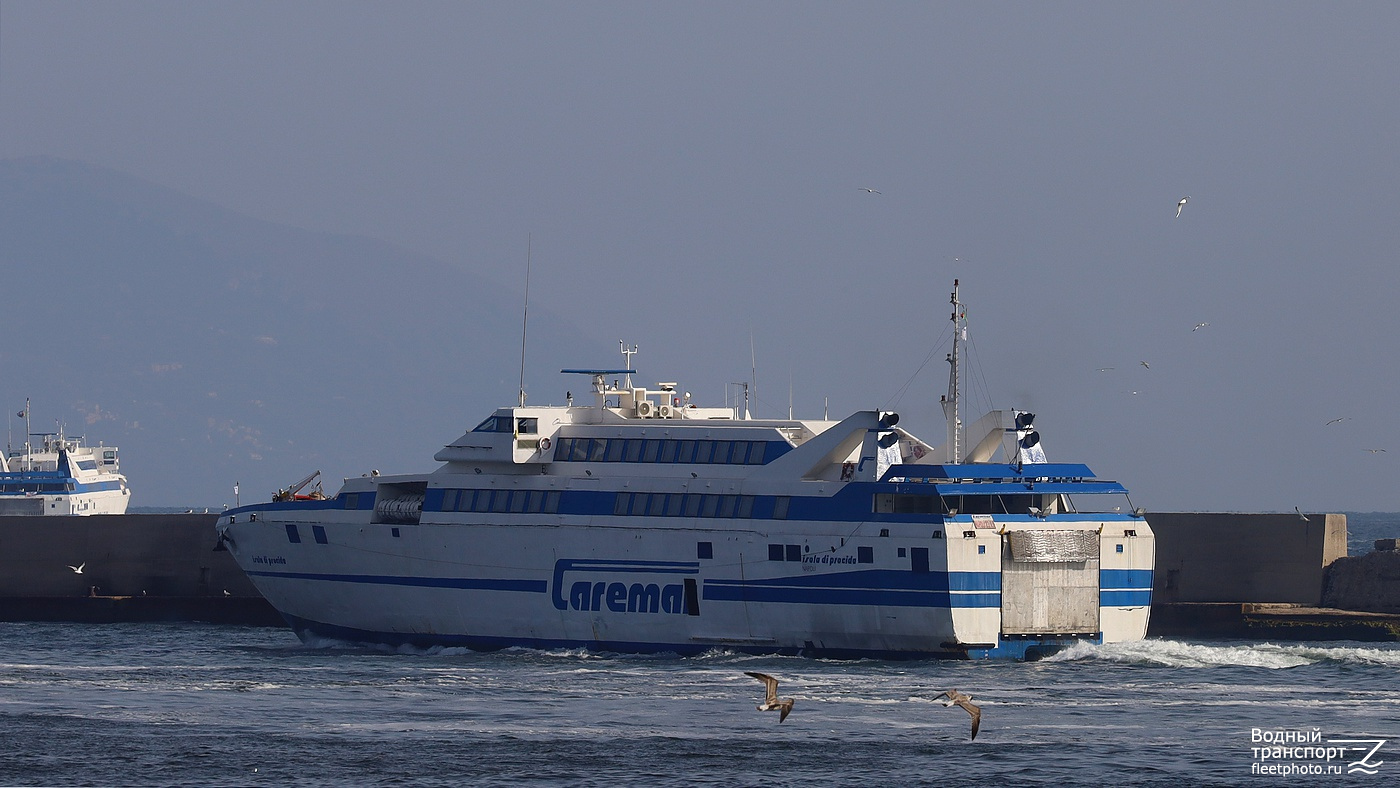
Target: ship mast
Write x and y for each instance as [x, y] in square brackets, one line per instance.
[950, 401]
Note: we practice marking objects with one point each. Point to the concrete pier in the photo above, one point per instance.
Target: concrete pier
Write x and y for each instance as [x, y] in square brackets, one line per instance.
[136, 567]
[1235, 557]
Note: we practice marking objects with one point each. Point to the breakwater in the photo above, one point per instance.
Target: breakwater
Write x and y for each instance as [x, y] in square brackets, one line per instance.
[135, 567]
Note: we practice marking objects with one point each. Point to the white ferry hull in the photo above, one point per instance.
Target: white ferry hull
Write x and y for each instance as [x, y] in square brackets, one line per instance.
[630, 587]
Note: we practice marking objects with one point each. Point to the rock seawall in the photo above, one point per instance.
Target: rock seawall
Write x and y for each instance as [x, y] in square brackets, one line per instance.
[1368, 582]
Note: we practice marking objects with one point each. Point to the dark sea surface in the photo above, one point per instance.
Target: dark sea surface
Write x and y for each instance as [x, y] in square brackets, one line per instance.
[1364, 528]
[193, 704]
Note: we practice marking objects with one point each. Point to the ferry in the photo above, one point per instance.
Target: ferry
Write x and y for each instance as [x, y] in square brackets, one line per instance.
[61, 476]
[643, 521]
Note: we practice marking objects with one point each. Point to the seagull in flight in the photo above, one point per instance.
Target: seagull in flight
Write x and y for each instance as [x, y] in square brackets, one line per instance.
[869, 191]
[1181, 204]
[965, 701]
[77, 570]
[1301, 516]
[770, 698]
[1375, 451]
[1145, 364]
[1334, 421]
[1200, 326]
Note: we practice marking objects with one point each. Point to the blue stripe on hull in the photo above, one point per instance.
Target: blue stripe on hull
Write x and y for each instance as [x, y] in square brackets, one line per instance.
[484, 584]
[721, 591]
[1126, 598]
[1125, 578]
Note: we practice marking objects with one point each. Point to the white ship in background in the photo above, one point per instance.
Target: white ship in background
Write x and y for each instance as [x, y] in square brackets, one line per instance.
[643, 522]
[60, 476]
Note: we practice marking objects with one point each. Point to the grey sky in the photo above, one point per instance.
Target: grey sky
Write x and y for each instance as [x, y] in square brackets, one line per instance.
[692, 177]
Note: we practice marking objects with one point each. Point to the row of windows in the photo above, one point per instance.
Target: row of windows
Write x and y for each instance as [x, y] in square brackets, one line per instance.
[688, 505]
[901, 503]
[522, 426]
[665, 450]
[49, 487]
[317, 531]
[518, 501]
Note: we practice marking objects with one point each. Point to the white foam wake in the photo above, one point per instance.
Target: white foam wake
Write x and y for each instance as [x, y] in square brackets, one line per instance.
[1180, 654]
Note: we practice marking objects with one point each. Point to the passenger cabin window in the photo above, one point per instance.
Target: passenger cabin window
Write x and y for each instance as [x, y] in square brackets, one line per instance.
[496, 424]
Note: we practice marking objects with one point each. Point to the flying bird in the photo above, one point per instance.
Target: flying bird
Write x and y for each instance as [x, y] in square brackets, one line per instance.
[770, 698]
[869, 191]
[1181, 204]
[1200, 326]
[1334, 421]
[1105, 369]
[1145, 365]
[965, 701]
[1301, 516]
[77, 570]
[1375, 451]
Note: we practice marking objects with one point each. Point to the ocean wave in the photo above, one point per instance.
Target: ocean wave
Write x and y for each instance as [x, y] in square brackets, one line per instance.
[1181, 654]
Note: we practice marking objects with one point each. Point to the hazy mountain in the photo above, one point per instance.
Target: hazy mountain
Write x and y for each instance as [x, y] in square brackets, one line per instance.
[212, 347]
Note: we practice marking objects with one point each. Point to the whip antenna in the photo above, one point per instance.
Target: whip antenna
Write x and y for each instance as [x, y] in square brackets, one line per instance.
[525, 318]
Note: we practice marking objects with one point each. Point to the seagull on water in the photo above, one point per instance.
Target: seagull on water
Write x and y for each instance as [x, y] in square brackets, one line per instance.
[1200, 326]
[770, 698]
[1181, 204]
[869, 191]
[965, 701]
[1301, 516]
[77, 570]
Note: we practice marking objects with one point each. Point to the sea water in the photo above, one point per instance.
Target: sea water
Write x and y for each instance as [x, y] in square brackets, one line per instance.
[193, 704]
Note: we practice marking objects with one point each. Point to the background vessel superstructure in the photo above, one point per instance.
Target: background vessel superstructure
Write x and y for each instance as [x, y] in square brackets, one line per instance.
[61, 476]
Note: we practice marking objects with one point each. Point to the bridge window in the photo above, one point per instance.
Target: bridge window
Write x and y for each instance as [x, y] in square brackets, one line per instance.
[496, 424]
